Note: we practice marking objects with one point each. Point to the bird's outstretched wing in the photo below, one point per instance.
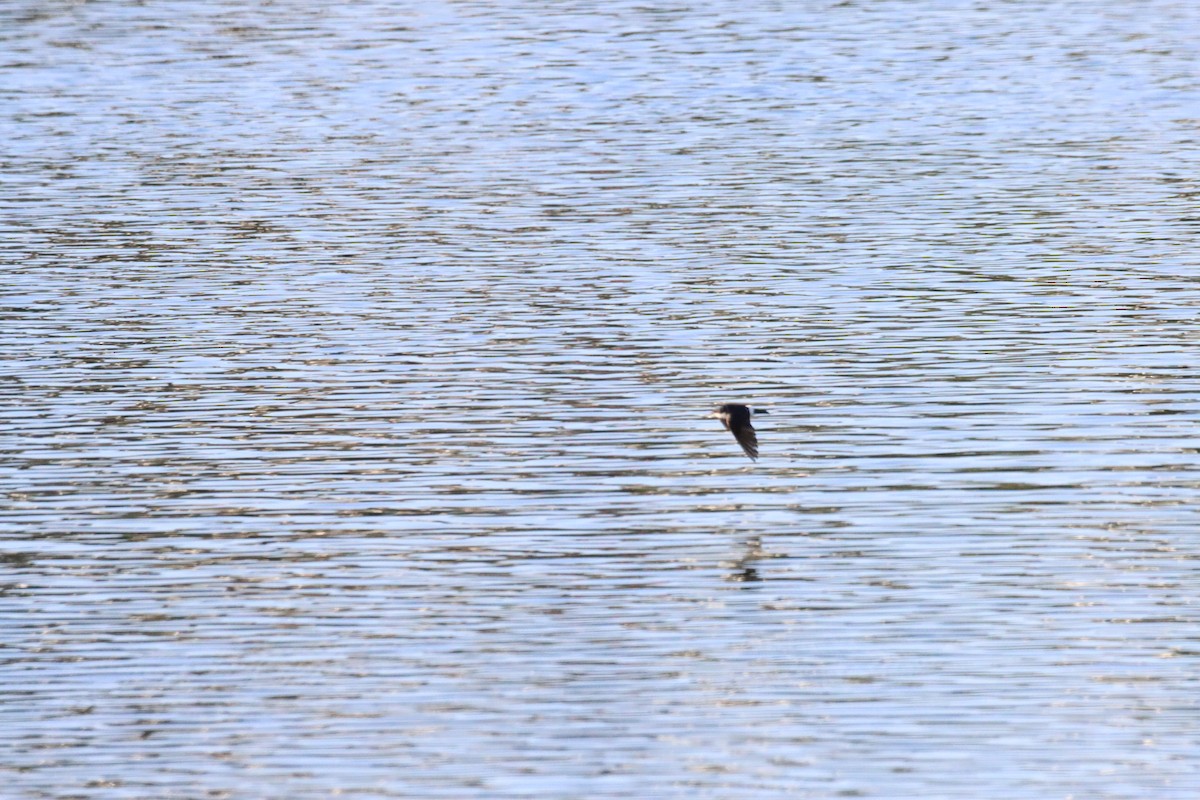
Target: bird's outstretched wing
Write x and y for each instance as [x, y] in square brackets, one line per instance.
[746, 437]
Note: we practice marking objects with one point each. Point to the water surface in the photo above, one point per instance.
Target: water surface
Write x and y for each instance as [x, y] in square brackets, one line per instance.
[355, 362]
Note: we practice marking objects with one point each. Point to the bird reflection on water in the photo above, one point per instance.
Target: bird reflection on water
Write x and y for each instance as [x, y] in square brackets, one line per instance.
[744, 569]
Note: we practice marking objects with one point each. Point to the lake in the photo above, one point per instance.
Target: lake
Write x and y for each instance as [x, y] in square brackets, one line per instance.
[355, 365]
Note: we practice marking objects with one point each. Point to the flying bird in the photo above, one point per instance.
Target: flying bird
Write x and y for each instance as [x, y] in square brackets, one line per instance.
[736, 419]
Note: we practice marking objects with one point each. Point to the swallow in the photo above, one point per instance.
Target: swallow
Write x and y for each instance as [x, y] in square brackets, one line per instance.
[736, 419]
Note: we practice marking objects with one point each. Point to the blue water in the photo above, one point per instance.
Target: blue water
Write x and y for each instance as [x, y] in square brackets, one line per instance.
[356, 361]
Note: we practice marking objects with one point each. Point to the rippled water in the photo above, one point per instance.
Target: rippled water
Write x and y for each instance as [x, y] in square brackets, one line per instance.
[355, 362]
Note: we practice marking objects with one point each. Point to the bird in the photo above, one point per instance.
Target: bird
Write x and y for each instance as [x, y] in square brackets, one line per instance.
[736, 419]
